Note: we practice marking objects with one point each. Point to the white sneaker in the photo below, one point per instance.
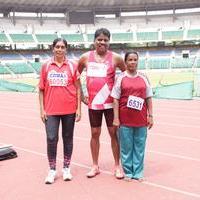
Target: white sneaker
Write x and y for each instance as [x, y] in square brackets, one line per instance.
[50, 177]
[67, 176]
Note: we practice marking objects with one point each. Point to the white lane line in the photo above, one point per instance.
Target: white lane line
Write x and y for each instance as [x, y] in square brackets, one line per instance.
[87, 124]
[108, 143]
[174, 136]
[20, 108]
[174, 155]
[151, 151]
[171, 189]
[177, 124]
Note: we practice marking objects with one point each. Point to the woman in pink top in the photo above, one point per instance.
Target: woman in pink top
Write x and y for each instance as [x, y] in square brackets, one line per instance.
[59, 97]
[100, 66]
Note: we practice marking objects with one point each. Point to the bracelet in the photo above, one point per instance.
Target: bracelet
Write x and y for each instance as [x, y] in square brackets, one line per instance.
[150, 115]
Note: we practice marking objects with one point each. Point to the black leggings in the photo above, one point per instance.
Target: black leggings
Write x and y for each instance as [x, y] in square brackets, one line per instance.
[52, 129]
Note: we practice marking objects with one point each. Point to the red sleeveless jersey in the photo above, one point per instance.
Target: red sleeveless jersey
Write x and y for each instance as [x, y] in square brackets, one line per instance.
[99, 81]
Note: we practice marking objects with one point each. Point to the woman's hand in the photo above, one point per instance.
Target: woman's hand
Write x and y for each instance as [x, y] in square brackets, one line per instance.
[85, 100]
[43, 116]
[150, 121]
[78, 116]
[116, 122]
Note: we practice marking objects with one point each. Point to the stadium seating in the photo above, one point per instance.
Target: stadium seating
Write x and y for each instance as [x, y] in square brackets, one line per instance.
[158, 63]
[36, 66]
[3, 70]
[3, 38]
[141, 64]
[180, 62]
[22, 38]
[20, 68]
[128, 37]
[46, 38]
[90, 37]
[142, 36]
[193, 34]
[73, 37]
[172, 35]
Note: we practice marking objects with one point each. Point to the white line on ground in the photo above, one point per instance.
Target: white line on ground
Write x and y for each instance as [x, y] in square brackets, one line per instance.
[171, 189]
[104, 142]
[195, 119]
[175, 137]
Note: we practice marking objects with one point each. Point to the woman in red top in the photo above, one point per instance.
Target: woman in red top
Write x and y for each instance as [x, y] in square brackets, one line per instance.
[59, 97]
[133, 113]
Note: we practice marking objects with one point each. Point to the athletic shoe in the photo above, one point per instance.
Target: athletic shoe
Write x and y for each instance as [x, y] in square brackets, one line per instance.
[127, 178]
[118, 174]
[93, 172]
[50, 177]
[67, 176]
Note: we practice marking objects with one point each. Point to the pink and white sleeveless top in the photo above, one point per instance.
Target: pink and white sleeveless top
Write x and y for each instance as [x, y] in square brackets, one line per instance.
[100, 80]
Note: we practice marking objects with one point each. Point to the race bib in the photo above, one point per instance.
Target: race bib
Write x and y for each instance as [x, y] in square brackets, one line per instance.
[135, 102]
[57, 78]
[97, 69]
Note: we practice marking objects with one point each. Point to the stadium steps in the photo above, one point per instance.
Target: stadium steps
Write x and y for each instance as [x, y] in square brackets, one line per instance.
[193, 34]
[147, 36]
[172, 35]
[20, 68]
[75, 38]
[46, 38]
[3, 38]
[7, 69]
[22, 38]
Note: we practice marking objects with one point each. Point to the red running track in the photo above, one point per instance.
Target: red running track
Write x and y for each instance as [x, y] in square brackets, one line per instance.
[172, 159]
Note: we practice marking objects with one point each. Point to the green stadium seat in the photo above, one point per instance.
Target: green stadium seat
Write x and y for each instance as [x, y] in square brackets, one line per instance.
[90, 37]
[20, 68]
[193, 34]
[197, 63]
[36, 66]
[158, 63]
[141, 63]
[3, 38]
[22, 38]
[46, 38]
[143, 36]
[172, 35]
[73, 37]
[121, 37]
[3, 70]
[182, 63]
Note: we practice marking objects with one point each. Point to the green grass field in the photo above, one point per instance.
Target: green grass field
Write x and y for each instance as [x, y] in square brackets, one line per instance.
[167, 78]
[156, 78]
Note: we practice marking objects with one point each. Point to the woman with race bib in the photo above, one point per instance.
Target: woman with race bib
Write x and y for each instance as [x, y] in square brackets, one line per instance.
[132, 95]
[59, 98]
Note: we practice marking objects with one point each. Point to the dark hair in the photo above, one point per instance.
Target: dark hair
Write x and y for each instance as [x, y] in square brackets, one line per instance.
[100, 31]
[58, 40]
[128, 53]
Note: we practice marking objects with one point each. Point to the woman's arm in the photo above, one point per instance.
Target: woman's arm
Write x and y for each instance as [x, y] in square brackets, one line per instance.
[116, 121]
[41, 102]
[78, 110]
[150, 112]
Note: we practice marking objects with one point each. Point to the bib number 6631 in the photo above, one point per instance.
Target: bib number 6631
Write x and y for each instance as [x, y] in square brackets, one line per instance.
[135, 102]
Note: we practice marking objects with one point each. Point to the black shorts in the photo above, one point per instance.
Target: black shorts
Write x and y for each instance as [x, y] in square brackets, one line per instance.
[95, 117]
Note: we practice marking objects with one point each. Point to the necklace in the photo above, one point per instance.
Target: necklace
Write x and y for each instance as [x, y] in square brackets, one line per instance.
[100, 59]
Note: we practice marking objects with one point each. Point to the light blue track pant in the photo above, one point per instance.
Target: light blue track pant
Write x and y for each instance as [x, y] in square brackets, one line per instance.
[132, 142]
